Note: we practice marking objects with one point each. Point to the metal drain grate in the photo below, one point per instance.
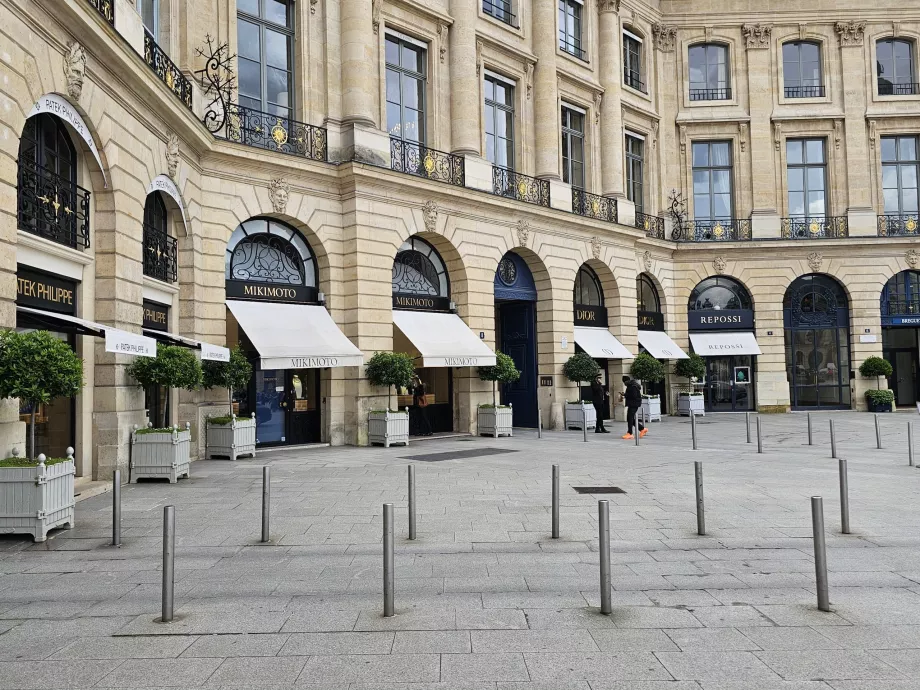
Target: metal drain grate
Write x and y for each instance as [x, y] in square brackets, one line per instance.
[458, 454]
[598, 490]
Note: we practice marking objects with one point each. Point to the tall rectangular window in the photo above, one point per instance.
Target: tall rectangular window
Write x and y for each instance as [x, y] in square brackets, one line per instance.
[802, 70]
[500, 10]
[570, 13]
[894, 59]
[635, 154]
[150, 15]
[709, 73]
[900, 171]
[712, 180]
[806, 177]
[265, 48]
[632, 62]
[499, 114]
[406, 64]
[573, 147]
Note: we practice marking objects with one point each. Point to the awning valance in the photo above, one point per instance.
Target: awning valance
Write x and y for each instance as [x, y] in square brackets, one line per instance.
[116, 340]
[600, 343]
[215, 353]
[660, 346]
[295, 336]
[443, 340]
[716, 344]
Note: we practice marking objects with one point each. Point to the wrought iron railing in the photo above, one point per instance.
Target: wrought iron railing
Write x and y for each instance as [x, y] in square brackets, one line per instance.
[652, 225]
[711, 94]
[160, 255]
[262, 130]
[572, 49]
[514, 185]
[51, 206]
[106, 8]
[632, 79]
[717, 230]
[166, 70]
[415, 159]
[903, 89]
[594, 206]
[900, 306]
[803, 91]
[818, 227]
[895, 224]
[500, 10]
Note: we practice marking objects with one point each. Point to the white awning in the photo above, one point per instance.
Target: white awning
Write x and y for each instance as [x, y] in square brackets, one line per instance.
[600, 343]
[295, 336]
[443, 340]
[715, 344]
[215, 353]
[660, 346]
[116, 340]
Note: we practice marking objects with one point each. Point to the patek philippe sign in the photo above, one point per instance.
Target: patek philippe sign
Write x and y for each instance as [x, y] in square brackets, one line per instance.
[421, 303]
[650, 320]
[124, 343]
[725, 320]
[156, 316]
[270, 292]
[42, 291]
[161, 183]
[57, 106]
[587, 315]
[215, 353]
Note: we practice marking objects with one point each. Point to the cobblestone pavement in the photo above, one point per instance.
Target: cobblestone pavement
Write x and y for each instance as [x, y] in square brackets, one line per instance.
[485, 599]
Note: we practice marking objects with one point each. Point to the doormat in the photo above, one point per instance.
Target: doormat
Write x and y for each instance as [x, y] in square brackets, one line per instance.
[598, 490]
[458, 454]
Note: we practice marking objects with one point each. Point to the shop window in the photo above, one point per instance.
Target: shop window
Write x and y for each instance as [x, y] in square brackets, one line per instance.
[573, 147]
[897, 76]
[709, 73]
[901, 296]
[647, 294]
[635, 161]
[588, 289]
[499, 121]
[265, 49]
[802, 76]
[570, 29]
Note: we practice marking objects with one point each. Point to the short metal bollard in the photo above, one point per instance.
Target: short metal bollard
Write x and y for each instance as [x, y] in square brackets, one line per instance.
[809, 430]
[412, 501]
[817, 526]
[833, 441]
[910, 444]
[539, 423]
[603, 534]
[700, 507]
[638, 432]
[693, 428]
[584, 423]
[555, 501]
[169, 563]
[759, 437]
[844, 498]
[389, 561]
[116, 509]
[266, 503]
[878, 433]
[747, 425]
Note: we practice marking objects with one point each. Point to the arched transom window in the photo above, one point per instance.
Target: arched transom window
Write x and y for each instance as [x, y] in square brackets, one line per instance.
[268, 251]
[719, 293]
[588, 288]
[647, 294]
[419, 270]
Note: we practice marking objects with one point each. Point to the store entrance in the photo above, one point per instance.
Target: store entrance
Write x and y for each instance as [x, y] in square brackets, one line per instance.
[286, 406]
[517, 334]
[728, 383]
[900, 348]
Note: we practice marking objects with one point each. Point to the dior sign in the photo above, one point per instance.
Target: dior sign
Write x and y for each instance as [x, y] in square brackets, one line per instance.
[587, 315]
[725, 319]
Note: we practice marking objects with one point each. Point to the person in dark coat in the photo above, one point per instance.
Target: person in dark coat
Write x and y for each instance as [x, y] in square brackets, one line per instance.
[633, 399]
[420, 394]
[599, 399]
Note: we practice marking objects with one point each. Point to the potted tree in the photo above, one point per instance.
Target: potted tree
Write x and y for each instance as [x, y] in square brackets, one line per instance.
[496, 420]
[163, 452]
[227, 436]
[878, 400]
[647, 369]
[580, 368]
[388, 426]
[691, 402]
[36, 492]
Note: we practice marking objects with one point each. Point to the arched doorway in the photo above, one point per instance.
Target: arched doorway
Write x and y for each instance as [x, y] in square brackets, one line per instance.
[816, 319]
[516, 333]
[652, 338]
[900, 308]
[720, 317]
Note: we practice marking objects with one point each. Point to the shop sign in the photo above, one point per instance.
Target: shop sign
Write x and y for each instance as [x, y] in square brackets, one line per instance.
[57, 106]
[124, 343]
[586, 315]
[905, 321]
[41, 291]
[270, 292]
[724, 319]
[650, 320]
[459, 361]
[313, 362]
[215, 353]
[156, 316]
[421, 303]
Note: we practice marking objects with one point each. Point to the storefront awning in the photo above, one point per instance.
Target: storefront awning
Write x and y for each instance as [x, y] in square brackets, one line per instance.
[116, 340]
[295, 336]
[600, 343]
[660, 346]
[716, 344]
[215, 353]
[443, 340]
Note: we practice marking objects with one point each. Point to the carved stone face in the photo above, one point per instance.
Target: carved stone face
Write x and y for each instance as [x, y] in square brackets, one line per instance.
[279, 197]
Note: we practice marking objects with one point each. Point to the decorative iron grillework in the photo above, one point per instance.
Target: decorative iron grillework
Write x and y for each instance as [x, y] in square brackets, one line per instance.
[167, 71]
[514, 185]
[51, 206]
[632, 79]
[106, 9]
[803, 91]
[161, 259]
[895, 225]
[267, 259]
[710, 94]
[653, 226]
[718, 230]
[902, 89]
[415, 159]
[594, 206]
[819, 227]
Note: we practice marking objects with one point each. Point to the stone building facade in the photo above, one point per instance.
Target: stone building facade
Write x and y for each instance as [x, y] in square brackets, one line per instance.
[613, 151]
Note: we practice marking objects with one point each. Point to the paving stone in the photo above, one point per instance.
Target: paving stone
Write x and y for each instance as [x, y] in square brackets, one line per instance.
[161, 673]
[633, 640]
[790, 638]
[492, 619]
[829, 664]
[711, 639]
[492, 641]
[730, 616]
[872, 637]
[432, 642]
[220, 646]
[722, 666]
[304, 644]
[365, 668]
[633, 666]
[257, 672]
[483, 667]
[25, 675]
[124, 648]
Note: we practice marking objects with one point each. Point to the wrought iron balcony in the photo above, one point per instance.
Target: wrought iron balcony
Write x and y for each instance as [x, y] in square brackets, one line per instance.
[652, 225]
[803, 91]
[818, 227]
[167, 71]
[106, 8]
[514, 185]
[262, 130]
[572, 49]
[51, 206]
[633, 81]
[415, 159]
[895, 225]
[500, 10]
[711, 94]
[594, 206]
[716, 230]
[902, 89]
[160, 255]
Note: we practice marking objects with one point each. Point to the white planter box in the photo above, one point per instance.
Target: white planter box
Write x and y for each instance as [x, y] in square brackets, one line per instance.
[232, 440]
[161, 455]
[495, 421]
[651, 409]
[387, 428]
[691, 405]
[34, 500]
[578, 414]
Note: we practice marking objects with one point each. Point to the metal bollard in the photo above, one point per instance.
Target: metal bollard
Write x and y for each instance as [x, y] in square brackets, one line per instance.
[833, 441]
[389, 561]
[910, 444]
[878, 433]
[116, 509]
[759, 437]
[603, 534]
[700, 507]
[693, 428]
[638, 433]
[584, 423]
[809, 430]
[555, 501]
[539, 423]
[817, 526]
[266, 503]
[169, 563]
[747, 425]
[844, 498]
[412, 501]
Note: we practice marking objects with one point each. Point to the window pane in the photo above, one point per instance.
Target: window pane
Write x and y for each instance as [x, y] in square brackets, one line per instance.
[883, 51]
[892, 202]
[721, 181]
[720, 154]
[815, 203]
[909, 176]
[889, 148]
[392, 86]
[701, 182]
[277, 11]
[796, 179]
[411, 91]
[249, 6]
[148, 10]
[697, 60]
[722, 206]
[809, 52]
[247, 36]
[578, 149]
[700, 155]
[393, 122]
[490, 149]
[794, 150]
[701, 207]
[276, 49]
[815, 150]
[411, 58]
[816, 178]
[392, 51]
[250, 79]
[278, 87]
[907, 148]
[909, 201]
[411, 124]
[890, 176]
[796, 203]
[901, 50]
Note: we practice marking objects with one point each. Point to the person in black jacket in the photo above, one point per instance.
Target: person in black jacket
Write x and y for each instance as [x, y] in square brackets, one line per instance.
[599, 399]
[633, 398]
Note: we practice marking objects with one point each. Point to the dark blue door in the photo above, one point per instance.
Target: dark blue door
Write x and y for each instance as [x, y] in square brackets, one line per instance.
[519, 341]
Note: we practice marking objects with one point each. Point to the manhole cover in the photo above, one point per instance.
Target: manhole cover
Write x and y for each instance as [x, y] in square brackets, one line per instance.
[458, 454]
[598, 490]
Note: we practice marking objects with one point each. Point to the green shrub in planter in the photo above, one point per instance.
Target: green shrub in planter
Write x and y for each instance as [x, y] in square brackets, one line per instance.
[504, 371]
[173, 367]
[580, 368]
[387, 369]
[646, 368]
[232, 375]
[875, 367]
[37, 368]
[879, 397]
[692, 368]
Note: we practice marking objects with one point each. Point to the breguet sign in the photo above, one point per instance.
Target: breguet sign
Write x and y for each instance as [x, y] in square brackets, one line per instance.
[721, 320]
[420, 303]
[587, 315]
[42, 291]
[270, 292]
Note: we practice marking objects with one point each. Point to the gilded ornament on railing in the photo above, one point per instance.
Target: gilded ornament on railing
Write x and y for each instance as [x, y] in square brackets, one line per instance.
[279, 134]
[413, 158]
[167, 71]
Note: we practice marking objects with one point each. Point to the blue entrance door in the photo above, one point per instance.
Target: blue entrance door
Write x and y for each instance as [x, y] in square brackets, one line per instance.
[270, 410]
[519, 341]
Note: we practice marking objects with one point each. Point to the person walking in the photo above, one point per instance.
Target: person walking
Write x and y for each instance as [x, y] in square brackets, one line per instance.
[599, 399]
[633, 399]
[421, 402]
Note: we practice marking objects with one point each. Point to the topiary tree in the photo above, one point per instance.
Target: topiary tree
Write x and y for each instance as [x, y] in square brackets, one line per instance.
[692, 368]
[875, 367]
[37, 368]
[646, 368]
[504, 371]
[173, 367]
[390, 369]
[580, 368]
[232, 375]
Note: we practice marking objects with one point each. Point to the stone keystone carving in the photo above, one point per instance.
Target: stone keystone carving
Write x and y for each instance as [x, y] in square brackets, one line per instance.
[278, 191]
[75, 69]
[756, 35]
[596, 248]
[647, 261]
[850, 33]
[172, 155]
[523, 232]
[718, 264]
[912, 257]
[814, 261]
[665, 37]
[430, 213]
[376, 6]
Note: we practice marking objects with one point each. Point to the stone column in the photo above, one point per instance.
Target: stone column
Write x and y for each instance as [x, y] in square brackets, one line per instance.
[359, 26]
[665, 145]
[546, 90]
[610, 73]
[465, 76]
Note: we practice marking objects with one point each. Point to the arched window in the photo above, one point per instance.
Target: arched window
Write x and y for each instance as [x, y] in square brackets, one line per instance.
[717, 293]
[897, 75]
[262, 250]
[709, 72]
[160, 253]
[647, 294]
[419, 270]
[588, 288]
[802, 76]
[901, 296]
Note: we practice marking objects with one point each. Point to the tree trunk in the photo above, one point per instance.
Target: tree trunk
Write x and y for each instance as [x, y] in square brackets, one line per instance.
[230, 396]
[494, 389]
[165, 408]
[34, 455]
